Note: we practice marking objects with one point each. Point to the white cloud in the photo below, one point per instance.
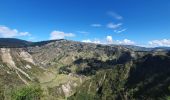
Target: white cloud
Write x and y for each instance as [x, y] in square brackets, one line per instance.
[96, 25]
[109, 39]
[97, 41]
[6, 32]
[120, 31]
[83, 32]
[163, 42]
[114, 26]
[90, 41]
[87, 41]
[126, 42]
[60, 35]
[114, 15]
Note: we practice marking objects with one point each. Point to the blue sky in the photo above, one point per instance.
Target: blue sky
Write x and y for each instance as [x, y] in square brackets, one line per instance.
[138, 22]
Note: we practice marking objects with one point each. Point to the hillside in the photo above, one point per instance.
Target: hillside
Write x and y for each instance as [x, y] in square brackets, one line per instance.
[62, 69]
[144, 79]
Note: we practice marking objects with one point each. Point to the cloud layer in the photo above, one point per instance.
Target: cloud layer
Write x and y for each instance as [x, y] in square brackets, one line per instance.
[109, 40]
[6, 32]
[60, 35]
[96, 25]
[114, 26]
[120, 31]
[114, 15]
[90, 41]
[126, 42]
[163, 42]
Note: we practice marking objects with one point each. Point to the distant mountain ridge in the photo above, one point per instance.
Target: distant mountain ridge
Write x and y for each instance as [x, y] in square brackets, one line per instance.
[12, 42]
[18, 43]
[139, 48]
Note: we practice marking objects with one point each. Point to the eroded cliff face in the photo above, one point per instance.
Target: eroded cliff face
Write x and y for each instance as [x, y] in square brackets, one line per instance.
[21, 68]
[9, 61]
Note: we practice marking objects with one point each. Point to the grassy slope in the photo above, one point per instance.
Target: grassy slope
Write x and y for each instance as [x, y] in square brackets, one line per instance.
[147, 78]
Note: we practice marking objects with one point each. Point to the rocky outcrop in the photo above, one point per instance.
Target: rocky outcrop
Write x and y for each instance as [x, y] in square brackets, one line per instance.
[6, 57]
[8, 60]
[26, 56]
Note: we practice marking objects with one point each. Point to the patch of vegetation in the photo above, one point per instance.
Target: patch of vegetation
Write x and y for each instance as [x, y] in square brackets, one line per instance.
[2, 96]
[90, 66]
[27, 93]
[147, 78]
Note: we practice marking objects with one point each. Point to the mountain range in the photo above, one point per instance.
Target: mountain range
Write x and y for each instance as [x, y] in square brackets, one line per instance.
[63, 69]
